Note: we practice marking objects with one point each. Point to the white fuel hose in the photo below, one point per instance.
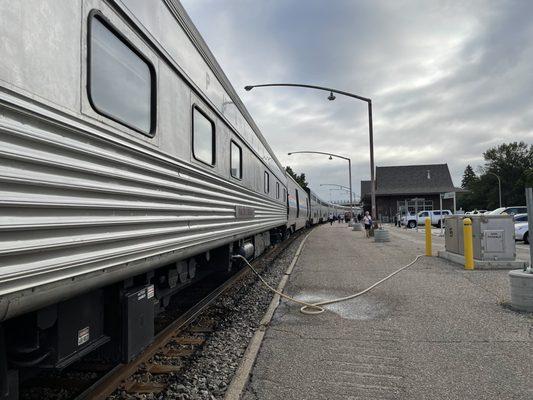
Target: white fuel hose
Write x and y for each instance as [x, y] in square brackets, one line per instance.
[316, 308]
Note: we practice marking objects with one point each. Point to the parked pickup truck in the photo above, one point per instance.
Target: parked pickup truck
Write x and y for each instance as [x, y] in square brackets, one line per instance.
[436, 217]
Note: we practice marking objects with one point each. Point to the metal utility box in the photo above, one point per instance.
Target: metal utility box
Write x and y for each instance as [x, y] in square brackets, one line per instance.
[138, 321]
[78, 328]
[494, 237]
[453, 234]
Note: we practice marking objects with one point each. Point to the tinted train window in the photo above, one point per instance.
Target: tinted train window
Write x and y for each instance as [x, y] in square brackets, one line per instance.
[121, 81]
[236, 160]
[203, 137]
[267, 182]
[297, 203]
[277, 190]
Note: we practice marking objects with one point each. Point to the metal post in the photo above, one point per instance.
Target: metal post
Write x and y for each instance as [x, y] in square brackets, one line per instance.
[350, 177]
[416, 214]
[441, 216]
[499, 187]
[529, 203]
[428, 236]
[454, 203]
[406, 212]
[468, 243]
[372, 178]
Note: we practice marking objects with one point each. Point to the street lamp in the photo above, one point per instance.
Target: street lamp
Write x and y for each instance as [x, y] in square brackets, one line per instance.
[331, 155]
[339, 186]
[499, 186]
[332, 97]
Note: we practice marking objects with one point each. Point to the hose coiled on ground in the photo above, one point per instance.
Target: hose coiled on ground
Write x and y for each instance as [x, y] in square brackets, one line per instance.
[316, 308]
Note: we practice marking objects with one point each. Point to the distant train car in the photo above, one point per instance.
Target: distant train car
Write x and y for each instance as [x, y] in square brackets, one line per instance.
[298, 206]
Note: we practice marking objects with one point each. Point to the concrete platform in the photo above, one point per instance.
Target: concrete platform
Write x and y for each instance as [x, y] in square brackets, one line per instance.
[435, 331]
[479, 264]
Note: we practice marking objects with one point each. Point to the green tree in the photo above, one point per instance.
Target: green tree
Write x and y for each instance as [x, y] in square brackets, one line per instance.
[469, 177]
[512, 163]
[300, 179]
[469, 182]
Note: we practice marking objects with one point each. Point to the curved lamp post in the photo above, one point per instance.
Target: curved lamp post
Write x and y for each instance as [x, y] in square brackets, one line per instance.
[499, 186]
[370, 126]
[339, 186]
[331, 155]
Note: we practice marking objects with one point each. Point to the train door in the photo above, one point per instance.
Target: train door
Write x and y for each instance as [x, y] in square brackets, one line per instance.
[297, 204]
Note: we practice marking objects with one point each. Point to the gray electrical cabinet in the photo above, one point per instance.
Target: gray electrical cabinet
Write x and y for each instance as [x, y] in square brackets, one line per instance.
[492, 235]
[453, 234]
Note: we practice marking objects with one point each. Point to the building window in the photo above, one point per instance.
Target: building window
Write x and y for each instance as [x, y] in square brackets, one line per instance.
[267, 182]
[236, 160]
[277, 190]
[121, 82]
[203, 137]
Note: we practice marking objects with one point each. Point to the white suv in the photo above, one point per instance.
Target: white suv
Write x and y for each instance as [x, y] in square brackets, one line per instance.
[436, 217]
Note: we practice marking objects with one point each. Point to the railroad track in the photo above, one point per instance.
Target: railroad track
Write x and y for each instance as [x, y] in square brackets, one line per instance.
[179, 340]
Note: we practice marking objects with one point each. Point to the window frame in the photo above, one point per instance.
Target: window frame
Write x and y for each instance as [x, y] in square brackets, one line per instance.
[97, 14]
[277, 190]
[196, 107]
[266, 182]
[233, 142]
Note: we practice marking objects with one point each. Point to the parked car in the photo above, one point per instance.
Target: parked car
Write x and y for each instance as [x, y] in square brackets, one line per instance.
[475, 212]
[509, 210]
[436, 217]
[521, 228]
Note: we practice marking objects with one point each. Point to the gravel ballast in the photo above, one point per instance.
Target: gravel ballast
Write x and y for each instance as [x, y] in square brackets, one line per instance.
[237, 315]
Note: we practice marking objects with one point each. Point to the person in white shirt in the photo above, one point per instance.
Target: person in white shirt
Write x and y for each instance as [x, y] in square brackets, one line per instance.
[367, 220]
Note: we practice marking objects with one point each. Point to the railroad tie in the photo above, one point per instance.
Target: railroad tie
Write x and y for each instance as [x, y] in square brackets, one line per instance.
[140, 387]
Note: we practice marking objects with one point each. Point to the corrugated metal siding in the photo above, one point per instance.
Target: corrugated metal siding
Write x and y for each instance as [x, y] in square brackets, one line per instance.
[76, 203]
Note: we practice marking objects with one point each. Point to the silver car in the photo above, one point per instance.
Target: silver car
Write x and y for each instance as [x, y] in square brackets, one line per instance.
[521, 228]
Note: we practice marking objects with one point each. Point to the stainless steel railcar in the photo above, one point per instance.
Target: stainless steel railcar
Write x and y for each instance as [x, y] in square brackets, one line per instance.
[128, 168]
[128, 164]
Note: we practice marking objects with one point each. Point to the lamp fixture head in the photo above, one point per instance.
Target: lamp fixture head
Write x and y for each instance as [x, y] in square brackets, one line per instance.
[248, 88]
[331, 158]
[331, 96]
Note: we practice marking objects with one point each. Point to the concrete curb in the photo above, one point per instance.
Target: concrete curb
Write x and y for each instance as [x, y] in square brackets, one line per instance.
[239, 381]
[484, 265]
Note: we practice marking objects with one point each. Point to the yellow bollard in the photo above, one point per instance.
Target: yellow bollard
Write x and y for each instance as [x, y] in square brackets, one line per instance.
[428, 237]
[468, 243]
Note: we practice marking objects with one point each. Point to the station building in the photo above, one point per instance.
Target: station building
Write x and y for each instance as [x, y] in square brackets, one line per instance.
[419, 185]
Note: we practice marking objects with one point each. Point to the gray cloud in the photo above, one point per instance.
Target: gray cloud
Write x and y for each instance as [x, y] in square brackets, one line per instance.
[448, 79]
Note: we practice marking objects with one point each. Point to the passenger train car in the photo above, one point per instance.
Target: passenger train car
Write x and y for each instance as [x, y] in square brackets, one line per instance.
[129, 167]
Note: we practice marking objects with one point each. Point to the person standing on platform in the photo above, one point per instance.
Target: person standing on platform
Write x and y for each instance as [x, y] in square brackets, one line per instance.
[330, 219]
[367, 220]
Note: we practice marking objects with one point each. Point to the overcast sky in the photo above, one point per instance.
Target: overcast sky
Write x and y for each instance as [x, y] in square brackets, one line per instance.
[448, 79]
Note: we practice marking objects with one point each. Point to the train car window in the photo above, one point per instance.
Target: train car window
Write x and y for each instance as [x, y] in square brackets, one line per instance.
[267, 182]
[297, 204]
[285, 193]
[277, 190]
[203, 137]
[121, 82]
[236, 160]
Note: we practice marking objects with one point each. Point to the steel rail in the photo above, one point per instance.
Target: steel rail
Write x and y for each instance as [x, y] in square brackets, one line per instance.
[105, 386]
